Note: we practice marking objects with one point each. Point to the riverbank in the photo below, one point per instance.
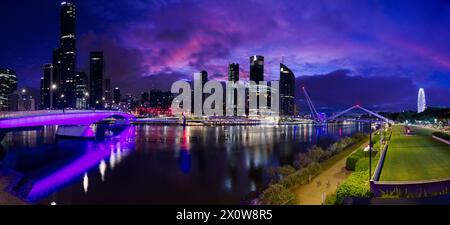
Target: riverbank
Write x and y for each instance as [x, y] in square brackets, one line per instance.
[333, 173]
[5, 197]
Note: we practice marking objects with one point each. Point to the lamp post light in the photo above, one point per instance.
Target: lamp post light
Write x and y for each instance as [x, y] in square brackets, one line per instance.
[52, 89]
[64, 102]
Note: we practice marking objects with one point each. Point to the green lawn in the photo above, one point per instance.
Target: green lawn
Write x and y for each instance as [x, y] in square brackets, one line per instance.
[418, 157]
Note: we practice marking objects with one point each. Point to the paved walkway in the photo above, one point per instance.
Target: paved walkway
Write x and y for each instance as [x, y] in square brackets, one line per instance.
[5, 197]
[327, 181]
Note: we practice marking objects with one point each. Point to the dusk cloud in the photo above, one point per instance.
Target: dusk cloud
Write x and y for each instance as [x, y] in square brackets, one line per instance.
[404, 42]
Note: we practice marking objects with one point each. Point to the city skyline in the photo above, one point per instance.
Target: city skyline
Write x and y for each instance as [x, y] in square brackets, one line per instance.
[343, 50]
[248, 103]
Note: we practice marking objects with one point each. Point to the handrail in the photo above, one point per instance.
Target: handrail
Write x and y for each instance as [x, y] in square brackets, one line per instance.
[7, 115]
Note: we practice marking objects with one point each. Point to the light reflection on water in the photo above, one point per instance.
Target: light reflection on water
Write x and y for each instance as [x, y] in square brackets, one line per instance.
[160, 164]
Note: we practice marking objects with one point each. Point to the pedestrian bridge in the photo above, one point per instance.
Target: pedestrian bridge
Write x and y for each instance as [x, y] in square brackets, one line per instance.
[58, 117]
[376, 115]
[71, 121]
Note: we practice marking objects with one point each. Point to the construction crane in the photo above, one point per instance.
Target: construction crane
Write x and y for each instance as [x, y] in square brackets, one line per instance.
[314, 113]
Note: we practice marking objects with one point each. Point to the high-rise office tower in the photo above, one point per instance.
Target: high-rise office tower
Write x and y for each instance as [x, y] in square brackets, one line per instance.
[42, 90]
[287, 91]
[55, 79]
[46, 86]
[204, 78]
[257, 68]
[8, 81]
[256, 75]
[117, 97]
[96, 74]
[233, 76]
[67, 54]
[82, 95]
[233, 72]
[108, 92]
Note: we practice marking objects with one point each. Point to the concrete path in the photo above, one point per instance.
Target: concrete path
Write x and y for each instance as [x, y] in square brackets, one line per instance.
[5, 197]
[327, 181]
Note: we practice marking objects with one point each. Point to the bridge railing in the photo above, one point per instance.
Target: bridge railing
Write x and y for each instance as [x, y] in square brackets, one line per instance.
[5, 115]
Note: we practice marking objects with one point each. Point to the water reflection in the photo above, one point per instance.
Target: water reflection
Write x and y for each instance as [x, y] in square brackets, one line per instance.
[85, 183]
[160, 164]
[93, 156]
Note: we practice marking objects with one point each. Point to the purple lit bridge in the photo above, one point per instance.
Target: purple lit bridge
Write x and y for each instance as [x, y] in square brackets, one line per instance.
[71, 123]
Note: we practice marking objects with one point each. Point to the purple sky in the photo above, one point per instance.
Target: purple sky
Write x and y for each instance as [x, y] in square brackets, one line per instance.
[372, 45]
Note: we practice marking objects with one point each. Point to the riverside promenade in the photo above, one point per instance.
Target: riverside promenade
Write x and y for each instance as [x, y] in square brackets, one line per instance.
[327, 181]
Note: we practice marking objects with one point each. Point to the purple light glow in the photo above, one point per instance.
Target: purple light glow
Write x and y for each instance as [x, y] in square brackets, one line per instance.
[81, 118]
[93, 157]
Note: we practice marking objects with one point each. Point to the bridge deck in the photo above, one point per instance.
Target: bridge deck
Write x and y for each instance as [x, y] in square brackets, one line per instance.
[57, 117]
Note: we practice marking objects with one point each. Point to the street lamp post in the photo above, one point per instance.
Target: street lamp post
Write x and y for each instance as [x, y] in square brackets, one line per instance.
[52, 88]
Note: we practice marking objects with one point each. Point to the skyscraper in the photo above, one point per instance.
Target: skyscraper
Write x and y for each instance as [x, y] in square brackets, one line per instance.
[67, 54]
[256, 75]
[117, 97]
[55, 79]
[233, 76]
[108, 93]
[42, 90]
[287, 91]
[8, 84]
[257, 68]
[96, 74]
[233, 72]
[46, 86]
[421, 101]
[81, 90]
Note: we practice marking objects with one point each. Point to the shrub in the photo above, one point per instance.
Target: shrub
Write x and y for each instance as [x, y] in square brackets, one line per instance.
[298, 178]
[314, 169]
[316, 154]
[333, 149]
[278, 173]
[301, 161]
[341, 145]
[302, 176]
[277, 195]
[357, 185]
[362, 164]
[331, 199]
[285, 171]
[351, 162]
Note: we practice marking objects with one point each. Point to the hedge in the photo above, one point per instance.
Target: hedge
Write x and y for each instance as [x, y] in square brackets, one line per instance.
[302, 176]
[362, 164]
[356, 185]
[350, 164]
[277, 195]
[331, 199]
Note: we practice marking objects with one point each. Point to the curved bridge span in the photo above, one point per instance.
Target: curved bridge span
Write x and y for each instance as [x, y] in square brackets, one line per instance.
[58, 117]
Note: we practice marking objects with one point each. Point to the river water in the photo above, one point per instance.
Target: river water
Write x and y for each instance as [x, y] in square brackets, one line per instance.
[157, 164]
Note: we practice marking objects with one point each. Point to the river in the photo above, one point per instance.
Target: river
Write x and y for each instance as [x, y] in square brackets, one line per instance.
[157, 164]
